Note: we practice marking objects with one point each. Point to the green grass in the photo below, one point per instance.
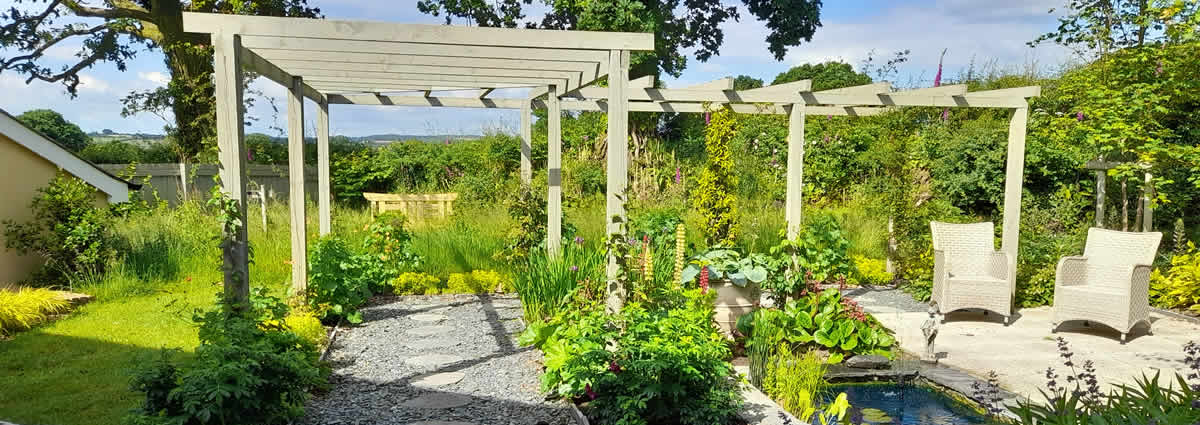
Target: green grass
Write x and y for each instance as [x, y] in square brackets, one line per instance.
[76, 370]
[466, 242]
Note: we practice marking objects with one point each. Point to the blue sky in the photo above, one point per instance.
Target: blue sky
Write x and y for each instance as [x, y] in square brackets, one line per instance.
[991, 33]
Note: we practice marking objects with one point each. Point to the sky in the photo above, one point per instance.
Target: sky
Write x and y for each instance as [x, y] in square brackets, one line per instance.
[988, 33]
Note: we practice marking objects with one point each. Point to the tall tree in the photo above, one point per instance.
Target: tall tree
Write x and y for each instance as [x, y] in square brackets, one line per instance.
[696, 24]
[53, 125]
[824, 76]
[112, 30]
[746, 82]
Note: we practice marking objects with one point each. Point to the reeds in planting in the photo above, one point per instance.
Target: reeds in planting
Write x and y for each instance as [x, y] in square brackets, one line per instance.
[544, 283]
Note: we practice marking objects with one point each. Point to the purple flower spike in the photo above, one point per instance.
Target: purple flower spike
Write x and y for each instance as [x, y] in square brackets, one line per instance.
[678, 176]
[1079, 116]
[707, 118]
[250, 155]
[574, 268]
[579, 240]
[1158, 70]
[828, 117]
[588, 390]
[946, 114]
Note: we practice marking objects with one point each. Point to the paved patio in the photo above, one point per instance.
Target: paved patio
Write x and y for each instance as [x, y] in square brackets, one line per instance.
[1021, 352]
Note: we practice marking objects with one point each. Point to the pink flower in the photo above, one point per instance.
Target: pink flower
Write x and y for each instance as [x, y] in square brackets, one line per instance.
[588, 390]
[678, 176]
[614, 367]
[937, 79]
[707, 118]
[574, 268]
[1158, 70]
[1079, 116]
[250, 155]
[704, 280]
[946, 114]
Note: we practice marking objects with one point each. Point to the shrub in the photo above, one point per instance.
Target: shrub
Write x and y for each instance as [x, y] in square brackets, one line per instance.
[714, 192]
[870, 271]
[822, 320]
[411, 283]
[245, 372]
[669, 365]
[528, 213]
[818, 253]
[67, 231]
[386, 250]
[475, 282]
[21, 310]
[336, 283]
[1180, 286]
[306, 325]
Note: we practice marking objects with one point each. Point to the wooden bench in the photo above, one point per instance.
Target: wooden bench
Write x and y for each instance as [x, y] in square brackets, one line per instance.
[414, 206]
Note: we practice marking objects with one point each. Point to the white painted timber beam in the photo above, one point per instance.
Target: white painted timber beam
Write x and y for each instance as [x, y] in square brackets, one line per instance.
[642, 82]
[553, 174]
[873, 88]
[792, 87]
[681, 95]
[326, 75]
[321, 46]
[617, 170]
[328, 89]
[343, 58]
[297, 67]
[947, 90]
[264, 67]
[526, 143]
[295, 110]
[741, 108]
[794, 194]
[449, 102]
[485, 92]
[718, 84]
[324, 199]
[420, 33]
[227, 82]
[1014, 180]
[1022, 92]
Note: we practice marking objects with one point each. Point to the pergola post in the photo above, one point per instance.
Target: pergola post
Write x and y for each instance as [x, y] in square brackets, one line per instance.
[296, 187]
[526, 142]
[1101, 183]
[1014, 179]
[554, 173]
[323, 197]
[617, 158]
[227, 72]
[1148, 204]
[795, 170]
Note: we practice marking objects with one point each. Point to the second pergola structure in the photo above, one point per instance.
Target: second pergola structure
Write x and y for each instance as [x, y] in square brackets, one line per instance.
[381, 64]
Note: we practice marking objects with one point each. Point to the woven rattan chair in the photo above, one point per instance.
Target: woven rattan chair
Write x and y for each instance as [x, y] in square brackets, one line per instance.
[1110, 283]
[968, 272]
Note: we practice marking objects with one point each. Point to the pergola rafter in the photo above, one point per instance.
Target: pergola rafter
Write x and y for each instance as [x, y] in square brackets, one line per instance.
[383, 64]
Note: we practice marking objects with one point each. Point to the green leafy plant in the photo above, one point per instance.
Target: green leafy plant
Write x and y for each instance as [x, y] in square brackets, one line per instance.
[246, 371]
[797, 382]
[475, 282]
[714, 192]
[870, 271]
[669, 365]
[818, 253]
[306, 325]
[528, 214]
[820, 319]
[25, 308]
[337, 284]
[544, 283]
[413, 283]
[1179, 287]
[71, 235]
[727, 264]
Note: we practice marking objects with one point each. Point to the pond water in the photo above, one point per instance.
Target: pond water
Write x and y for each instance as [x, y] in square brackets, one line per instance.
[907, 404]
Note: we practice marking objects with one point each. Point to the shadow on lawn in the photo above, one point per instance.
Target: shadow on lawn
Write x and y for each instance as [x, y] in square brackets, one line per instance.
[55, 379]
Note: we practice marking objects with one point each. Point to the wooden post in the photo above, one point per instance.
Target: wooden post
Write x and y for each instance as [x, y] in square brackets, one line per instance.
[618, 159]
[227, 72]
[183, 181]
[526, 143]
[1014, 179]
[795, 170]
[1147, 204]
[1101, 184]
[554, 173]
[323, 198]
[296, 187]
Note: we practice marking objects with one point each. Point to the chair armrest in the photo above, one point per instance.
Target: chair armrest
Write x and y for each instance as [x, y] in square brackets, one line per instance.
[1139, 282]
[1001, 269]
[1071, 271]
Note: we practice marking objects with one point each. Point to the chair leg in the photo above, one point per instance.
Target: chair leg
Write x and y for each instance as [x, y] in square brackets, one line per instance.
[1123, 335]
[1007, 319]
[1053, 327]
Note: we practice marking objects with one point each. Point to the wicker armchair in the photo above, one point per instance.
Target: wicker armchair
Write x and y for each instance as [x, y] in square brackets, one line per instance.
[968, 272]
[1110, 283]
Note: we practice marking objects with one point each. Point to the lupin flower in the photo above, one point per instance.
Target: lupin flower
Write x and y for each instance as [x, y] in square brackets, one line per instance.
[647, 265]
[704, 280]
[678, 176]
[680, 244]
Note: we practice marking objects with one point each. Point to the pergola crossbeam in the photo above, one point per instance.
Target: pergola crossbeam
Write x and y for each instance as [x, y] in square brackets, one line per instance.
[304, 69]
[252, 61]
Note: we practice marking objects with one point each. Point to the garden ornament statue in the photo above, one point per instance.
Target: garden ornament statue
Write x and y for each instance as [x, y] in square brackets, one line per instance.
[930, 330]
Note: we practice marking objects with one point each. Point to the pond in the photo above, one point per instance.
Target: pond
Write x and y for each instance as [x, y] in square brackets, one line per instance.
[907, 404]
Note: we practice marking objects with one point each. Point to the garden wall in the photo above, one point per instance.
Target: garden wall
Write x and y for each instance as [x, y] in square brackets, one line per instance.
[165, 179]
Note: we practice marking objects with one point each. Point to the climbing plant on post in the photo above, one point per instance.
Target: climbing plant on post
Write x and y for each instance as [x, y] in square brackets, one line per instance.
[713, 195]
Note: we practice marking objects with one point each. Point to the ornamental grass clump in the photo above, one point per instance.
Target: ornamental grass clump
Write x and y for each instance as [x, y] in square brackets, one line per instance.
[23, 309]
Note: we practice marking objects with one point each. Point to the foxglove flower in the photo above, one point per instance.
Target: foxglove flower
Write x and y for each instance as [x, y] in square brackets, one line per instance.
[707, 118]
[937, 79]
[678, 176]
[946, 114]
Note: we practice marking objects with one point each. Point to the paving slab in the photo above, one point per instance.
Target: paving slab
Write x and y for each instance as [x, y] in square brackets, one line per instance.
[426, 317]
[438, 401]
[430, 330]
[1021, 352]
[438, 379]
[433, 361]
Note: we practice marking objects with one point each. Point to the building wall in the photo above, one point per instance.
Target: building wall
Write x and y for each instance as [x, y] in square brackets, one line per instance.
[24, 173]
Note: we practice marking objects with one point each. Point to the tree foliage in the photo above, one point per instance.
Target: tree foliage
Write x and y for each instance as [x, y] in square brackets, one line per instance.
[693, 25]
[53, 125]
[114, 33]
[824, 76]
[746, 82]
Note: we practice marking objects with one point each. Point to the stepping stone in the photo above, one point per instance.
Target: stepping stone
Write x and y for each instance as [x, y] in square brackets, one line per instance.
[438, 379]
[429, 344]
[438, 401]
[433, 361]
[429, 330]
[429, 317]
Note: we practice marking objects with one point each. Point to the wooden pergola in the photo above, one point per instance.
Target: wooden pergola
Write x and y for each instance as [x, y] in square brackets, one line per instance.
[373, 63]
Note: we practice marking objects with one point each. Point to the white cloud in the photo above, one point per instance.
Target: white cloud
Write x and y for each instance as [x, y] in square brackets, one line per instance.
[90, 83]
[156, 77]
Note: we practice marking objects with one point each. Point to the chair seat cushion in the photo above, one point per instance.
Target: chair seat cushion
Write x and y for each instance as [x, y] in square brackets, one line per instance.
[984, 279]
[1088, 291]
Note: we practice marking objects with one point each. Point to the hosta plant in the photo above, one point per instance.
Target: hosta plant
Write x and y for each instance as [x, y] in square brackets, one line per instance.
[724, 263]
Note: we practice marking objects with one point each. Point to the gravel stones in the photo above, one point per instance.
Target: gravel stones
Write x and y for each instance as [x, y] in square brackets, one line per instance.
[465, 369]
[429, 330]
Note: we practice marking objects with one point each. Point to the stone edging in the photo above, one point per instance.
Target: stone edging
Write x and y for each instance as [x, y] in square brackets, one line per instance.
[1175, 315]
[332, 338]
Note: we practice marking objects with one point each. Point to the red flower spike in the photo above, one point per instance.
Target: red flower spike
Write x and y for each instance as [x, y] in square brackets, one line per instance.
[704, 280]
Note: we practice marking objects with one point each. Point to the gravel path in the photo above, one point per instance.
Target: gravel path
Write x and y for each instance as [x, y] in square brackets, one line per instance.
[436, 360]
[885, 296]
